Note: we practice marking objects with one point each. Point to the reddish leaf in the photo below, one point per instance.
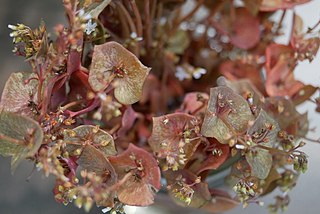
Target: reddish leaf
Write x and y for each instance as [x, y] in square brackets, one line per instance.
[20, 94]
[279, 71]
[174, 138]
[112, 62]
[194, 102]
[140, 175]
[245, 37]
[215, 156]
[128, 120]
[241, 37]
[235, 70]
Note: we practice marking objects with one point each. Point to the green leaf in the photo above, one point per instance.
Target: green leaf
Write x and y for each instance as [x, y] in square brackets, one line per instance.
[20, 137]
[90, 135]
[93, 160]
[260, 162]
[227, 114]
[264, 125]
[19, 93]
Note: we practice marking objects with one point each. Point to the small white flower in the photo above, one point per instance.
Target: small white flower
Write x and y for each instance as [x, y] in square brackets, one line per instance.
[198, 72]
[105, 210]
[90, 27]
[182, 74]
[135, 37]
[12, 27]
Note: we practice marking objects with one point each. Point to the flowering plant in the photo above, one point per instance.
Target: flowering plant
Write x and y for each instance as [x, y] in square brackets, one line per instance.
[122, 102]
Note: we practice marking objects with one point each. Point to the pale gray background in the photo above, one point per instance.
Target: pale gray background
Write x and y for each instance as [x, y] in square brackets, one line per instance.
[35, 197]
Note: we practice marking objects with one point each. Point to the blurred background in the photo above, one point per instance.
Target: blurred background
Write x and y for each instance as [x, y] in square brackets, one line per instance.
[21, 194]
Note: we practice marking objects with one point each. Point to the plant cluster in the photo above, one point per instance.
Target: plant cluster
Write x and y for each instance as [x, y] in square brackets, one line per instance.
[120, 103]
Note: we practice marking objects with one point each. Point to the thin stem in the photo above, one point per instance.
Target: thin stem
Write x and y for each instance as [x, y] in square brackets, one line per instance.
[127, 16]
[312, 140]
[124, 24]
[71, 104]
[280, 22]
[95, 103]
[138, 17]
[148, 26]
[314, 27]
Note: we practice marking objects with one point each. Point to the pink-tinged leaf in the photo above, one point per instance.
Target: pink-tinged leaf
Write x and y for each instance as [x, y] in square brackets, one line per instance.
[306, 45]
[220, 202]
[242, 37]
[140, 175]
[194, 102]
[128, 119]
[235, 70]
[215, 156]
[20, 137]
[227, 114]
[245, 37]
[273, 5]
[93, 160]
[20, 94]
[84, 135]
[186, 189]
[111, 62]
[174, 139]
[280, 63]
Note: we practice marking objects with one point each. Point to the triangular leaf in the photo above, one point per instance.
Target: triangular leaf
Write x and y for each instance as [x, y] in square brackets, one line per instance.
[20, 94]
[20, 137]
[227, 113]
[93, 160]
